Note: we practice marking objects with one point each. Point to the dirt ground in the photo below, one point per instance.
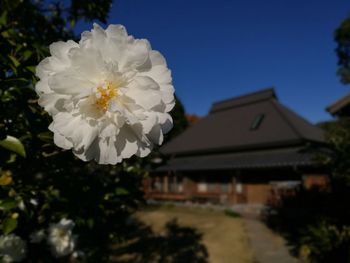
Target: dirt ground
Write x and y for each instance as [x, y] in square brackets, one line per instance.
[223, 236]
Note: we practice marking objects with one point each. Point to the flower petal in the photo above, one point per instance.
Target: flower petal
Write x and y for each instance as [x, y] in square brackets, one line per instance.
[88, 64]
[145, 92]
[136, 54]
[53, 103]
[66, 82]
[75, 129]
[165, 121]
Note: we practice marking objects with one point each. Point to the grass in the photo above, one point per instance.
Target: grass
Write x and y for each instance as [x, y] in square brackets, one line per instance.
[231, 213]
[222, 235]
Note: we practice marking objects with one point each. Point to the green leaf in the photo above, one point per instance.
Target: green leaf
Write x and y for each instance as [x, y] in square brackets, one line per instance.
[27, 54]
[5, 34]
[121, 191]
[3, 18]
[90, 222]
[13, 144]
[9, 225]
[31, 69]
[14, 60]
[15, 82]
[12, 158]
[72, 23]
[45, 136]
[7, 204]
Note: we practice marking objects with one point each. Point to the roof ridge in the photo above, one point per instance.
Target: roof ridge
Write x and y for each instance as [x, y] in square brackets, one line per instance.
[275, 104]
[246, 95]
[242, 100]
[239, 105]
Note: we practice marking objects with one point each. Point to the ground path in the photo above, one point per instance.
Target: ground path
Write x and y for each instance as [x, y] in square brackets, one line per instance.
[223, 236]
[226, 237]
[267, 246]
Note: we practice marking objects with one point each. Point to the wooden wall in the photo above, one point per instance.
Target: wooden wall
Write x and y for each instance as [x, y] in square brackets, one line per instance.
[231, 187]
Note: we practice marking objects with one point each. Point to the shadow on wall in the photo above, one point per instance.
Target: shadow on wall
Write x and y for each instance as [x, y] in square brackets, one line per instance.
[177, 244]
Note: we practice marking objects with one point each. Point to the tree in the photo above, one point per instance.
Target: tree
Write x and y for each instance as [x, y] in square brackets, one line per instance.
[179, 118]
[39, 183]
[321, 219]
[342, 37]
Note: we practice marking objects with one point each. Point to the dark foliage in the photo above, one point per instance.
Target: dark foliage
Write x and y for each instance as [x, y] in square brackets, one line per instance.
[40, 183]
[342, 37]
[316, 222]
[180, 121]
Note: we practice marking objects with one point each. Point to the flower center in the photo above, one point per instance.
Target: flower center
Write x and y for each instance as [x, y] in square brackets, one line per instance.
[104, 94]
[61, 233]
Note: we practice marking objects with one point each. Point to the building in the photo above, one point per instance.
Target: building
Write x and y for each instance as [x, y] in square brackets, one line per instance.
[245, 151]
[340, 108]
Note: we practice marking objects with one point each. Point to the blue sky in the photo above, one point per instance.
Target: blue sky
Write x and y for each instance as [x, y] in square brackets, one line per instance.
[224, 48]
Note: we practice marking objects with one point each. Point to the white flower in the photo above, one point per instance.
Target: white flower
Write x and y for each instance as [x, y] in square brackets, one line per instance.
[78, 255]
[33, 201]
[12, 248]
[109, 95]
[21, 205]
[61, 238]
[37, 236]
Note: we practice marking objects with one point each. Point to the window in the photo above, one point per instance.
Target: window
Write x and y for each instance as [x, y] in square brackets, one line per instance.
[257, 122]
[212, 187]
[171, 184]
[180, 187]
[225, 187]
[239, 188]
[175, 184]
[202, 187]
[158, 184]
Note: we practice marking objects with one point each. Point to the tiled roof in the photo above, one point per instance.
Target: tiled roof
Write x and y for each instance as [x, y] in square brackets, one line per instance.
[287, 157]
[243, 100]
[228, 127]
[341, 107]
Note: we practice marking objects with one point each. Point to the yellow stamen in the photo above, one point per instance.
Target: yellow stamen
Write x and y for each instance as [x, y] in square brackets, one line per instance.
[105, 94]
[61, 233]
